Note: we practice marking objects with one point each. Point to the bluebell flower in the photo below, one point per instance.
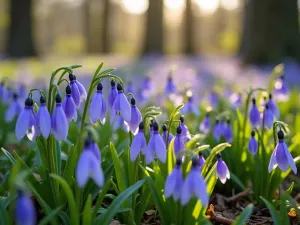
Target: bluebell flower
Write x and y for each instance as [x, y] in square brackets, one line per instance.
[136, 117]
[213, 99]
[26, 123]
[164, 134]
[156, 147]
[273, 106]
[121, 105]
[95, 149]
[138, 143]
[25, 213]
[218, 130]
[205, 126]
[201, 160]
[69, 105]
[74, 90]
[98, 106]
[281, 156]
[112, 94]
[281, 89]
[170, 87]
[222, 170]
[59, 121]
[14, 109]
[190, 107]
[236, 100]
[43, 118]
[89, 167]
[178, 142]
[82, 91]
[194, 185]
[268, 117]
[147, 84]
[119, 122]
[151, 128]
[254, 115]
[174, 182]
[228, 133]
[253, 145]
[184, 130]
[5, 94]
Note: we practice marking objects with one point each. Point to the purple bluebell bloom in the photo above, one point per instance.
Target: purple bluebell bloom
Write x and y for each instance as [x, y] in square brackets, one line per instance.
[218, 130]
[213, 99]
[5, 94]
[174, 182]
[112, 94]
[147, 84]
[194, 185]
[268, 117]
[222, 170]
[119, 122]
[121, 105]
[156, 147]
[138, 143]
[14, 109]
[253, 145]
[236, 100]
[25, 213]
[98, 106]
[69, 105]
[273, 106]
[281, 89]
[89, 167]
[74, 90]
[59, 121]
[228, 133]
[170, 87]
[95, 149]
[201, 160]
[165, 134]
[281, 156]
[151, 128]
[184, 130]
[82, 91]
[26, 123]
[136, 117]
[178, 142]
[205, 126]
[43, 118]
[254, 115]
[191, 107]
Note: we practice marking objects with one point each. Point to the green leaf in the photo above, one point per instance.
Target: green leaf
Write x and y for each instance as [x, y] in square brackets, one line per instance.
[237, 181]
[175, 112]
[212, 154]
[9, 156]
[171, 156]
[64, 218]
[272, 210]
[71, 201]
[194, 140]
[75, 66]
[244, 216]
[201, 148]
[118, 171]
[290, 189]
[114, 207]
[4, 219]
[87, 215]
[50, 216]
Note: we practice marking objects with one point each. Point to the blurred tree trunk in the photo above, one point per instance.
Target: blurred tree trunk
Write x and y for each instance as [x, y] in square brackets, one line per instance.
[154, 28]
[189, 45]
[105, 27]
[87, 26]
[271, 31]
[20, 38]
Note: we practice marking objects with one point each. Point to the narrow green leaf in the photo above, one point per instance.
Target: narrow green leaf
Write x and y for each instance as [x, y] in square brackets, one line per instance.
[114, 207]
[4, 218]
[52, 214]
[194, 140]
[171, 156]
[9, 156]
[118, 171]
[71, 201]
[176, 111]
[290, 189]
[244, 216]
[201, 148]
[272, 210]
[87, 215]
[64, 218]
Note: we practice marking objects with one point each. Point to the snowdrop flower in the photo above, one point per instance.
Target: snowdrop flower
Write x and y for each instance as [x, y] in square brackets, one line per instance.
[253, 145]
[170, 87]
[136, 117]
[205, 126]
[25, 213]
[281, 156]
[13, 110]
[273, 107]
[59, 121]
[165, 134]
[194, 185]
[201, 160]
[74, 90]
[178, 142]
[268, 117]
[254, 115]
[112, 94]
[174, 182]
[191, 107]
[281, 89]
[184, 130]
[82, 91]
[228, 133]
[222, 170]
[43, 118]
[156, 147]
[218, 130]
[98, 106]
[138, 143]
[69, 106]
[121, 105]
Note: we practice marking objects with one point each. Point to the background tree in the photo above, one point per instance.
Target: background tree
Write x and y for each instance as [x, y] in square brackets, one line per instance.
[154, 28]
[20, 40]
[189, 45]
[271, 31]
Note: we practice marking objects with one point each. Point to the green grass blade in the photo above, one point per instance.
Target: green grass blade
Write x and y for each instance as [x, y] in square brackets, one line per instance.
[52, 214]
[87, 215]
[272, 210]
[244, 216]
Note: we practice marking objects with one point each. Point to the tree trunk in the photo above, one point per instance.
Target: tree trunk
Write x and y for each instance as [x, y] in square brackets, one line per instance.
[154, 28]
[189, 45]
[87, 26]
[105, 26]
[271, 31]
[20, 38]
